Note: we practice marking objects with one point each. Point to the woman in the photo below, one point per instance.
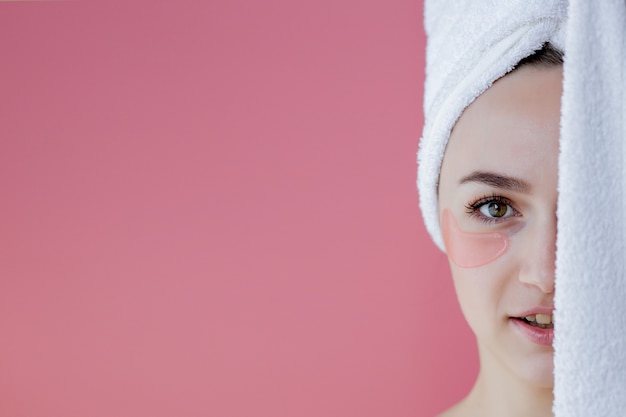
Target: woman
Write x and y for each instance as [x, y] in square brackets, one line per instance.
[488, 187]
[497, 205]
[488, 194]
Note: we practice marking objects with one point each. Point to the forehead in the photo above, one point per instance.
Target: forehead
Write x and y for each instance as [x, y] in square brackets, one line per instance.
[513, 126]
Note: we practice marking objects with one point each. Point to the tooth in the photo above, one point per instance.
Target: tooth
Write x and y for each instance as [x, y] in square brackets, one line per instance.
[530, 318]
[544, 318]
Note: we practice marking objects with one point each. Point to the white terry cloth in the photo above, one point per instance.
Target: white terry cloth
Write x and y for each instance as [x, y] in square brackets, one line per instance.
[590, 298]
[472, 43]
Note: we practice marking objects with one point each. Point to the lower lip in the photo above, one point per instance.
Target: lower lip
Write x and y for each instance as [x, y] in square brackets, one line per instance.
[543, 337]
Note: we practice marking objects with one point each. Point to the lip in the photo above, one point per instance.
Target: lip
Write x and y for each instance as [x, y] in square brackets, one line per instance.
[536, 310]
[537, 335]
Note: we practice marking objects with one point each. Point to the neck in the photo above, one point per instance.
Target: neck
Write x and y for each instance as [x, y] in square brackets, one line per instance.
[499, 393]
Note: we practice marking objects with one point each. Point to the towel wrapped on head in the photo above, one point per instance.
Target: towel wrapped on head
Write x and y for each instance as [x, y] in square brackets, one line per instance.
[470, 45]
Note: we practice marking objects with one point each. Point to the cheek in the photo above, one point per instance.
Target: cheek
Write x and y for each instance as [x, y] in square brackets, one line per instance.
[471, 250]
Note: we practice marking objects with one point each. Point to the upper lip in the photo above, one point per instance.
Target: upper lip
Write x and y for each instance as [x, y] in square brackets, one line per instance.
[536, 310]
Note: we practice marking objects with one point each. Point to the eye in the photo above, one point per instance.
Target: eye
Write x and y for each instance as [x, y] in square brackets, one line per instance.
[496, 209]
[492, 208]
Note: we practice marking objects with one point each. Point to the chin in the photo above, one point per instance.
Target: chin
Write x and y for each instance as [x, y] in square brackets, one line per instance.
[537, 371]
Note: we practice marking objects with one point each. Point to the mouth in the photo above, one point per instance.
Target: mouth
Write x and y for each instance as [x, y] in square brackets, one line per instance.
[538, 328]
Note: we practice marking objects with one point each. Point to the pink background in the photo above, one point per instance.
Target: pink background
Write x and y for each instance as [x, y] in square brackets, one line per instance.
[209, 209]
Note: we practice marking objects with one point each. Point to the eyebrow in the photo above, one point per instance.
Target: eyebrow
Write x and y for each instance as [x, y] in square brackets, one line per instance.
[497, 180]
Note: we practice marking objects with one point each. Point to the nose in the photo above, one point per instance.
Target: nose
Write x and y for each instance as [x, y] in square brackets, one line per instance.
[538, 264]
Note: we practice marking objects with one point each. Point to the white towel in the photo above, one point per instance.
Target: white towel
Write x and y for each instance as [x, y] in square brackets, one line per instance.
[590, 317]
[471, 44]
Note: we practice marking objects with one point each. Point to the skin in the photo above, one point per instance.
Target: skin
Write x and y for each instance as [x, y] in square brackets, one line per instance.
[512, 129]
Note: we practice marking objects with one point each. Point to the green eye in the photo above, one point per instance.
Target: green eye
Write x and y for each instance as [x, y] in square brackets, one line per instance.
[496, 209]
[490, 209]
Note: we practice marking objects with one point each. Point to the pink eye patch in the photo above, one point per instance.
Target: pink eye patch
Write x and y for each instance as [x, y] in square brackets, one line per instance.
[471, 250]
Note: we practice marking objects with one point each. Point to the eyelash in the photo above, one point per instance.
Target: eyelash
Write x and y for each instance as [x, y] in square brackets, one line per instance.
[473, 208]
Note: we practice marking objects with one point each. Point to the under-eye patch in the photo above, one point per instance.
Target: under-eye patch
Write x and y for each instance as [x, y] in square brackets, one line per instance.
[469, 249]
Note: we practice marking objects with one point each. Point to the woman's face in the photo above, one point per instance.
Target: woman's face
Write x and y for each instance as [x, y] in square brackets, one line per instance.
[497, 208]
